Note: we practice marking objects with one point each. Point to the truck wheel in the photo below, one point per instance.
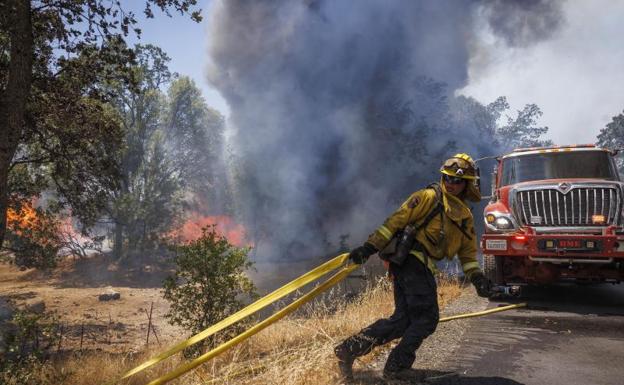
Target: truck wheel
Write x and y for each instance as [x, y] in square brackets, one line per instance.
[490, 269]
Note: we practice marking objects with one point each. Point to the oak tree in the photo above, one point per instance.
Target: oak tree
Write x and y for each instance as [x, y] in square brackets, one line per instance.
[54, 120]
[612, 137]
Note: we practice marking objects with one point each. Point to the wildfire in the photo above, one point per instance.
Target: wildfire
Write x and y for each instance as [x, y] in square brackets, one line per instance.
[25, 220]
[192, 228]
[25, 217]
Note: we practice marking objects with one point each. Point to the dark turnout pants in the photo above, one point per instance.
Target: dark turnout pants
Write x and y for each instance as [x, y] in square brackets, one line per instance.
[415, 317]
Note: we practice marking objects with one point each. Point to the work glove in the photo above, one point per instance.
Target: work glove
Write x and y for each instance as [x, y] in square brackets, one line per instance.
[482, 284]
[359, 255]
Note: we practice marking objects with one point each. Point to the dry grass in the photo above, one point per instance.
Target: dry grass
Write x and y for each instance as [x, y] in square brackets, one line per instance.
[296, 350]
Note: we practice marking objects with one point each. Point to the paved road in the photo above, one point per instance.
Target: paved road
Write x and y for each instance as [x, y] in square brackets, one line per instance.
[569, 335]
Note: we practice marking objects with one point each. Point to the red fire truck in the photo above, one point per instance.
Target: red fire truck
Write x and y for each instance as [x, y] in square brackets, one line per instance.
[555, 215]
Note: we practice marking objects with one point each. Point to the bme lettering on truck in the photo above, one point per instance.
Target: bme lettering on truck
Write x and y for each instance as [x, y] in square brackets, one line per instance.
[555, 215]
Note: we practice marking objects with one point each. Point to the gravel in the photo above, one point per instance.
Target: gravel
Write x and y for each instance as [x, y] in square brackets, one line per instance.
[441, 345]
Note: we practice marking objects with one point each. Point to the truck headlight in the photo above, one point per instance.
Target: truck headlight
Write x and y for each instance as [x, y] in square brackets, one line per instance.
[499, 222]
[503, 223]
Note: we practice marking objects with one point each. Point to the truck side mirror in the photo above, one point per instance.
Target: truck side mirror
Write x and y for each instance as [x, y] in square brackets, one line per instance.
[493, 185]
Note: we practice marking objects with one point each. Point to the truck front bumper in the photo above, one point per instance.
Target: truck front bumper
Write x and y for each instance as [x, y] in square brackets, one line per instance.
[529, 258]
[586, 248]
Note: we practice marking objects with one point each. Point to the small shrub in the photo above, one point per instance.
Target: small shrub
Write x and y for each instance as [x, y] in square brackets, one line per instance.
[28, 340]
[32, 236]
[30, 334]
[209, 283]
[31, 370]
[38, 237]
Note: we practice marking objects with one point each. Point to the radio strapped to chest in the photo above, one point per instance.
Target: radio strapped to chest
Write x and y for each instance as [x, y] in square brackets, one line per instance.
[404, 241]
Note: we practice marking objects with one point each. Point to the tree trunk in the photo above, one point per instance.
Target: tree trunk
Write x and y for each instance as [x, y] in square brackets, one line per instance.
[118, 241]
[15, 96]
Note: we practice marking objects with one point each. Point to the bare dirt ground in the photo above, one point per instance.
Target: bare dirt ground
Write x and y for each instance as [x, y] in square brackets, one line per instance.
[71, 291]
[120, 326]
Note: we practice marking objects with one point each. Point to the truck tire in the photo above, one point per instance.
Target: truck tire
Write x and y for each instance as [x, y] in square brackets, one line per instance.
[490, 269]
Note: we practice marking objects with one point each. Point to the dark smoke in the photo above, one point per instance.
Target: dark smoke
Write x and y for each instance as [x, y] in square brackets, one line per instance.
[339, 110]
[523, 22]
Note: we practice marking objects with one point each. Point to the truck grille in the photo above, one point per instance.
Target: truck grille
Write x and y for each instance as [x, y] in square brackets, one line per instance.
[551, 207]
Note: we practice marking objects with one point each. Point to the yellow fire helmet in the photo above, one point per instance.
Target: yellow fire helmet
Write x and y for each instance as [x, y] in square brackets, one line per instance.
[462, 166]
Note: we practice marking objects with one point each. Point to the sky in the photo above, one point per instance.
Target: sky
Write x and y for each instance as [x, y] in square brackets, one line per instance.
[186, 42]
[576, 77]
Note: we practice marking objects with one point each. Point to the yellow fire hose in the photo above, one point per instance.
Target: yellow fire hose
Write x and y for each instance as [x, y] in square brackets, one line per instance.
[292, 286]
[485, 312]
[445, 319]
[263, 302]
[255, 329]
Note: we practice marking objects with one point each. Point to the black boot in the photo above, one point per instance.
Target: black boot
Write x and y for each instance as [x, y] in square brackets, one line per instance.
[402, 371]
[351, 348]
[393, 371]
[345, 362]
[409, 375]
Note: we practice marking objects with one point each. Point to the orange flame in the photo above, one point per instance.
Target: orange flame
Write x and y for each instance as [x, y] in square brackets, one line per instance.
[67, 229]
[192, 228]
[26, 220]
[26, 217]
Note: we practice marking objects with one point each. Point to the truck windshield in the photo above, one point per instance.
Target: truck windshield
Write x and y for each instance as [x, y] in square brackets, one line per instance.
[558, 165]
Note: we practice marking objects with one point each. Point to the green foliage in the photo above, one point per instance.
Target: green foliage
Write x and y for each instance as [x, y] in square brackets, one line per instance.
[37, 237]
[513, 132]
[144, 204]
[521, 131]
[30, 334]
[57, 133]
[68, 146]
[195, 133]
[612, 137]
[31, 371]
[27, 342]
[209, 283]
[74, 155]
[170, 155]
[33, 236]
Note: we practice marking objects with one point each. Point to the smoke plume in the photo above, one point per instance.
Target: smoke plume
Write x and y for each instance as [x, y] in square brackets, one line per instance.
[524, 22]
[341, 109]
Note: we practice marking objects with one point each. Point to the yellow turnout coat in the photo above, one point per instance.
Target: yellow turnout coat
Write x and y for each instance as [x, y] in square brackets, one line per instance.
[452, 241]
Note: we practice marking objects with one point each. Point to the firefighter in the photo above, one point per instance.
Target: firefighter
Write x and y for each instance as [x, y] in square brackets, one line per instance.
[442, 226]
